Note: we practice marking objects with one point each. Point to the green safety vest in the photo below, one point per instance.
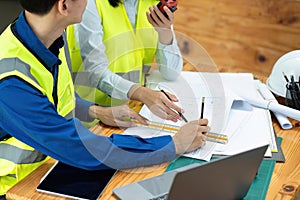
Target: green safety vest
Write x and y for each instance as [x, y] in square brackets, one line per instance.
[130, 52]
[17, 159]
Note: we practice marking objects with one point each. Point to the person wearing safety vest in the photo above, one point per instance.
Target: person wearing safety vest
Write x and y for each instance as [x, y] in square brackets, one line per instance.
[114, 46]
[40, 113]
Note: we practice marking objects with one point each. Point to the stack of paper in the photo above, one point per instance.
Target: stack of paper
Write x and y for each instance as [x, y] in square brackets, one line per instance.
[225, 107]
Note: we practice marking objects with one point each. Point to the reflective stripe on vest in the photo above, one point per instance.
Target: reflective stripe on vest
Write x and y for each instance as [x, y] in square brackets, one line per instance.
[130, 52]
[11, 64]
[17, 159]
[82, 78]
[20, 156]
[16, 67]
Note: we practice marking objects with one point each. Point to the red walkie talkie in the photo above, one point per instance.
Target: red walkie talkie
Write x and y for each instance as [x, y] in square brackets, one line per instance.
[171, 4]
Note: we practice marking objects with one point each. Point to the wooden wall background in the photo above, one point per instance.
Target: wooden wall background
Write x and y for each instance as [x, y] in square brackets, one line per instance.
[241, 35]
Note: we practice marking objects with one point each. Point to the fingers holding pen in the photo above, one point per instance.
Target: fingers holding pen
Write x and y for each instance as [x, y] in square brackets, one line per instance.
[203, 127]
[169, 96]
[203, 122]
[168, 113]
[191, 136]
[171, 108]
[169, 99]
[159, 104]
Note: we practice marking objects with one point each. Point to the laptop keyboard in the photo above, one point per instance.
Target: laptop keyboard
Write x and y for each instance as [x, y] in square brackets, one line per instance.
[162, 197]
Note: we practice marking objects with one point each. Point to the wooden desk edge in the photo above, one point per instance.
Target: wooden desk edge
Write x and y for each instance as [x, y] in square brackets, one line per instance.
[26, 189]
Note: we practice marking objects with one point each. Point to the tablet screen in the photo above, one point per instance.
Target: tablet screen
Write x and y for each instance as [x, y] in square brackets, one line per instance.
[72, 182]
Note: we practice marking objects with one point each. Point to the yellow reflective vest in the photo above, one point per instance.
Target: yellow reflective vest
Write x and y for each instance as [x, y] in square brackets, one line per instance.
[130, 51]
[17, 159]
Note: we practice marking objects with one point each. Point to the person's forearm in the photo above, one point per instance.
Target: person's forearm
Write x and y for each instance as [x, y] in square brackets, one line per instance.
[169, 60]
[165, 36]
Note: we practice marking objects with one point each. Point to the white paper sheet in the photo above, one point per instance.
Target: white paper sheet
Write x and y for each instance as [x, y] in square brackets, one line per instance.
[250, 134]
[228, 113]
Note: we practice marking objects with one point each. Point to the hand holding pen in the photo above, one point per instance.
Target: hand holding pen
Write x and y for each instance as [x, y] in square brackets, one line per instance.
[157, 102]
[179, 112]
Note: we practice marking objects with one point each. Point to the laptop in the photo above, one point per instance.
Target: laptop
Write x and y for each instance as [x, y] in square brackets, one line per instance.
[226, 178]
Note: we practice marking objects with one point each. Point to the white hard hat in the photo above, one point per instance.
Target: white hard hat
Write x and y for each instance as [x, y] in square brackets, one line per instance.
[288, 64]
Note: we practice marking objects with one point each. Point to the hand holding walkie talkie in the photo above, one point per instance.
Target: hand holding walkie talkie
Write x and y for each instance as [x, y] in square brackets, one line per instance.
[171, 4]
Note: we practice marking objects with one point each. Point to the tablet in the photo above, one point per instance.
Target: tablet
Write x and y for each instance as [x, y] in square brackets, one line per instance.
[72, 182]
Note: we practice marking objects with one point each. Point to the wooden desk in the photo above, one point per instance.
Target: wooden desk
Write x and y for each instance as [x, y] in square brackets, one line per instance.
[26, 189]
[284, 183]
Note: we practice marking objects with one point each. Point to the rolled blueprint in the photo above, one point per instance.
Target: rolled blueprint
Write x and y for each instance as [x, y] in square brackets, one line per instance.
[267, 95]
[275, 107]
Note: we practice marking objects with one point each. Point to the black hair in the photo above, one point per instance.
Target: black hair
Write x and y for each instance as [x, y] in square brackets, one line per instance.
[40, 7]
[115, 3]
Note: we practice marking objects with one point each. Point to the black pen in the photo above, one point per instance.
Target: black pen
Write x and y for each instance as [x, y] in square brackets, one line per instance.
[202, 108]
[294, 93]
[295, 84]
[285, 77]
[180, 114]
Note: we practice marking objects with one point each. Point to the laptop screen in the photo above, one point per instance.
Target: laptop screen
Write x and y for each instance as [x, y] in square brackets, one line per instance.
[225, 178]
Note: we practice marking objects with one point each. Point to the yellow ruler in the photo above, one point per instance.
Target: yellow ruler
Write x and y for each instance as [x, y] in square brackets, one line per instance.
[212, 137]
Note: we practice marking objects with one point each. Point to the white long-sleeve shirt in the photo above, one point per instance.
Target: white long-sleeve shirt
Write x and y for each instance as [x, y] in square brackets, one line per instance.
[89, 36]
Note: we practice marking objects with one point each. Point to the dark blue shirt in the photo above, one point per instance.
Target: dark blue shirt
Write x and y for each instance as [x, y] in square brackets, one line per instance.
[29, 116]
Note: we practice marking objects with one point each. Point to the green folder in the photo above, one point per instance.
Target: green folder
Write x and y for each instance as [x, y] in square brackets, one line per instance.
[260, 185]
